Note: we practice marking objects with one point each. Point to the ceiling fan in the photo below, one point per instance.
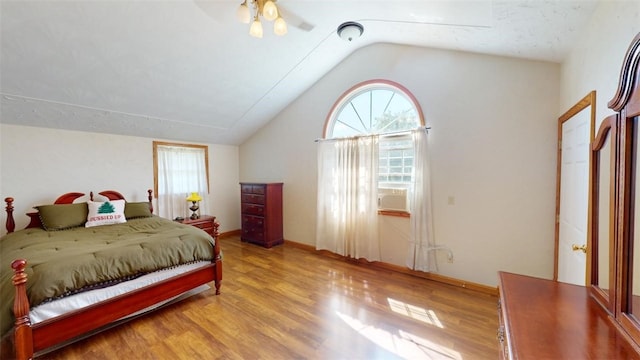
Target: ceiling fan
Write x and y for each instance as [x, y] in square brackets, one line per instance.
[257, 9]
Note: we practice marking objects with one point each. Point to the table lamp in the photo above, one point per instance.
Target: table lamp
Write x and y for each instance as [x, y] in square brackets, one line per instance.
[194, 198]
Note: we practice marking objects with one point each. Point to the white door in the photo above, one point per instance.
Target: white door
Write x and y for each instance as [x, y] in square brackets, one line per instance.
[574, 198]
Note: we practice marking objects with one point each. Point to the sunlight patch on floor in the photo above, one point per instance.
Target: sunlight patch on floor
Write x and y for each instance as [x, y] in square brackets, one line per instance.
[403, 344]
[344, 285]
[415, 312]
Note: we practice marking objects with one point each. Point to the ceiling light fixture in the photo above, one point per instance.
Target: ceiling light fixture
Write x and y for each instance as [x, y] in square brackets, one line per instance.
[350, 30]
[261, 8]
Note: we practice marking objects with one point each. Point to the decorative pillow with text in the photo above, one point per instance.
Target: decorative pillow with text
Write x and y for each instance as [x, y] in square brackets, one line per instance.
[105, 213]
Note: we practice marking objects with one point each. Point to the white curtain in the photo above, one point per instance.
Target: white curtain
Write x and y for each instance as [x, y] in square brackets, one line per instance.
[181, 171]
[347, 197]
[421, 254]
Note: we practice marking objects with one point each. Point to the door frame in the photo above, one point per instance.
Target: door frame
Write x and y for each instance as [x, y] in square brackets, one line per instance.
[585, 102]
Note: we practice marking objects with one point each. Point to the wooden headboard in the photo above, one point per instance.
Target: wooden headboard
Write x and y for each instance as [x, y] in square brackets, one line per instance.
[67, 198]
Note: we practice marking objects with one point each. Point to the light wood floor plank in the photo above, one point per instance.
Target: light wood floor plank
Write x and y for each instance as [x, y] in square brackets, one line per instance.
[289, 303]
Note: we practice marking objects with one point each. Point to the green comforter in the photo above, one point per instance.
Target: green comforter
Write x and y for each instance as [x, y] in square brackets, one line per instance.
[60, 262]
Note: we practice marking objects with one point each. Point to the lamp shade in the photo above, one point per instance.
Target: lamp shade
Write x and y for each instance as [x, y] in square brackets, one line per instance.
[243, 13]
[194, 197]
[270, 11]
[256, 28]
[280, 27]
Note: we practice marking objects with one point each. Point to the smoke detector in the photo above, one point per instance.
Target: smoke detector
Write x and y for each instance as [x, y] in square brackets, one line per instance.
[350, 30]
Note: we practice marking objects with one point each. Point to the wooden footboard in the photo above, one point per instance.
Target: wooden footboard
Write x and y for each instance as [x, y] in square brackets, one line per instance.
[30, 339]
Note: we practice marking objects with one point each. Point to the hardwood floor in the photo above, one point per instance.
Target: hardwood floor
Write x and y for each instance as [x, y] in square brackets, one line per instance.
[289, 303]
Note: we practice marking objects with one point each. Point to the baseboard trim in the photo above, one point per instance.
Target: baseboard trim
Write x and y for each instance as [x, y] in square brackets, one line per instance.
[386, 266]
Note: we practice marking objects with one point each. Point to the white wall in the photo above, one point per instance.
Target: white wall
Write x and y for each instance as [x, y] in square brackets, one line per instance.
[38, 164]
[493, 140]
[595, 62]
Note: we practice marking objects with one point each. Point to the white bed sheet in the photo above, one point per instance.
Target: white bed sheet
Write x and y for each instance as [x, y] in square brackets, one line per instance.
[58, 307]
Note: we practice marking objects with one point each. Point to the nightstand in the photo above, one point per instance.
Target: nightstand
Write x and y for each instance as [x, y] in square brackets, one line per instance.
[205, 222]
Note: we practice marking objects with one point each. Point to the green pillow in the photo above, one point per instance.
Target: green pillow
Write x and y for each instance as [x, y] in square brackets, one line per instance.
[136, 210]
[62, 216]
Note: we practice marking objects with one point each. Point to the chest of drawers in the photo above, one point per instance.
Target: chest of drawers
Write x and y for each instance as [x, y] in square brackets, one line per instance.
[261, 207]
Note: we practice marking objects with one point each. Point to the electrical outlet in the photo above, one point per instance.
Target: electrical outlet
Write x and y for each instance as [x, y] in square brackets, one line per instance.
[450, 257]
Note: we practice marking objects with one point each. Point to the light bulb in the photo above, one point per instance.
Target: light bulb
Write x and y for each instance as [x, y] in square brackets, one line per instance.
[256, 28]
[280, 27]
[270, 11]
[243, 13]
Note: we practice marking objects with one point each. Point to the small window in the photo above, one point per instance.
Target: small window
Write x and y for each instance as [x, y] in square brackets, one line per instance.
[179, 170]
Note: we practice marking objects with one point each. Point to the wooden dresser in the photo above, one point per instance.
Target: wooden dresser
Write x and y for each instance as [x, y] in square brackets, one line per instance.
[261, 206]
[545, 319]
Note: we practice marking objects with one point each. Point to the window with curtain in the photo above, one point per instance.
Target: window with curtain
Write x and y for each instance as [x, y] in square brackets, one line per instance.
[179, 170]
[387, 109]
[373, 159]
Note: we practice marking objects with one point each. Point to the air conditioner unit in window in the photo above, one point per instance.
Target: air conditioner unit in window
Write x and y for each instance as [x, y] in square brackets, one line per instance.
[392, 199]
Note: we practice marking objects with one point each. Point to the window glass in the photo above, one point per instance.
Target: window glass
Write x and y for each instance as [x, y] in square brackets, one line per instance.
[375, 108]
[395, 161]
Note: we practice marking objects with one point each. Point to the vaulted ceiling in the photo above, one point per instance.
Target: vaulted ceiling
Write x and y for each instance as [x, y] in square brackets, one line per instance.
[188, 70]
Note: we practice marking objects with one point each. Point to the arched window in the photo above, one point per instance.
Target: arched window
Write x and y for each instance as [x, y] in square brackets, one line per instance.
[388, 109]
[373, 107]
[373, 161]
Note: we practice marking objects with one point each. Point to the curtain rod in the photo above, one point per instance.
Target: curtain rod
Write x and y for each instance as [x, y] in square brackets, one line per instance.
[394, 133]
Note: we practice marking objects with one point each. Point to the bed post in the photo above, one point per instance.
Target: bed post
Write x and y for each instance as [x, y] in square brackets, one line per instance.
[217, 258]
[11, 224]
[150, 197]
[22, 331]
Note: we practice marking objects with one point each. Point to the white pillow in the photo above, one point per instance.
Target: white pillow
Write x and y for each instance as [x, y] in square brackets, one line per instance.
[105, 213]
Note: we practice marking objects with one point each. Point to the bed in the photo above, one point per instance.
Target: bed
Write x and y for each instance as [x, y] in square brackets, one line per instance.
[64, 276]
